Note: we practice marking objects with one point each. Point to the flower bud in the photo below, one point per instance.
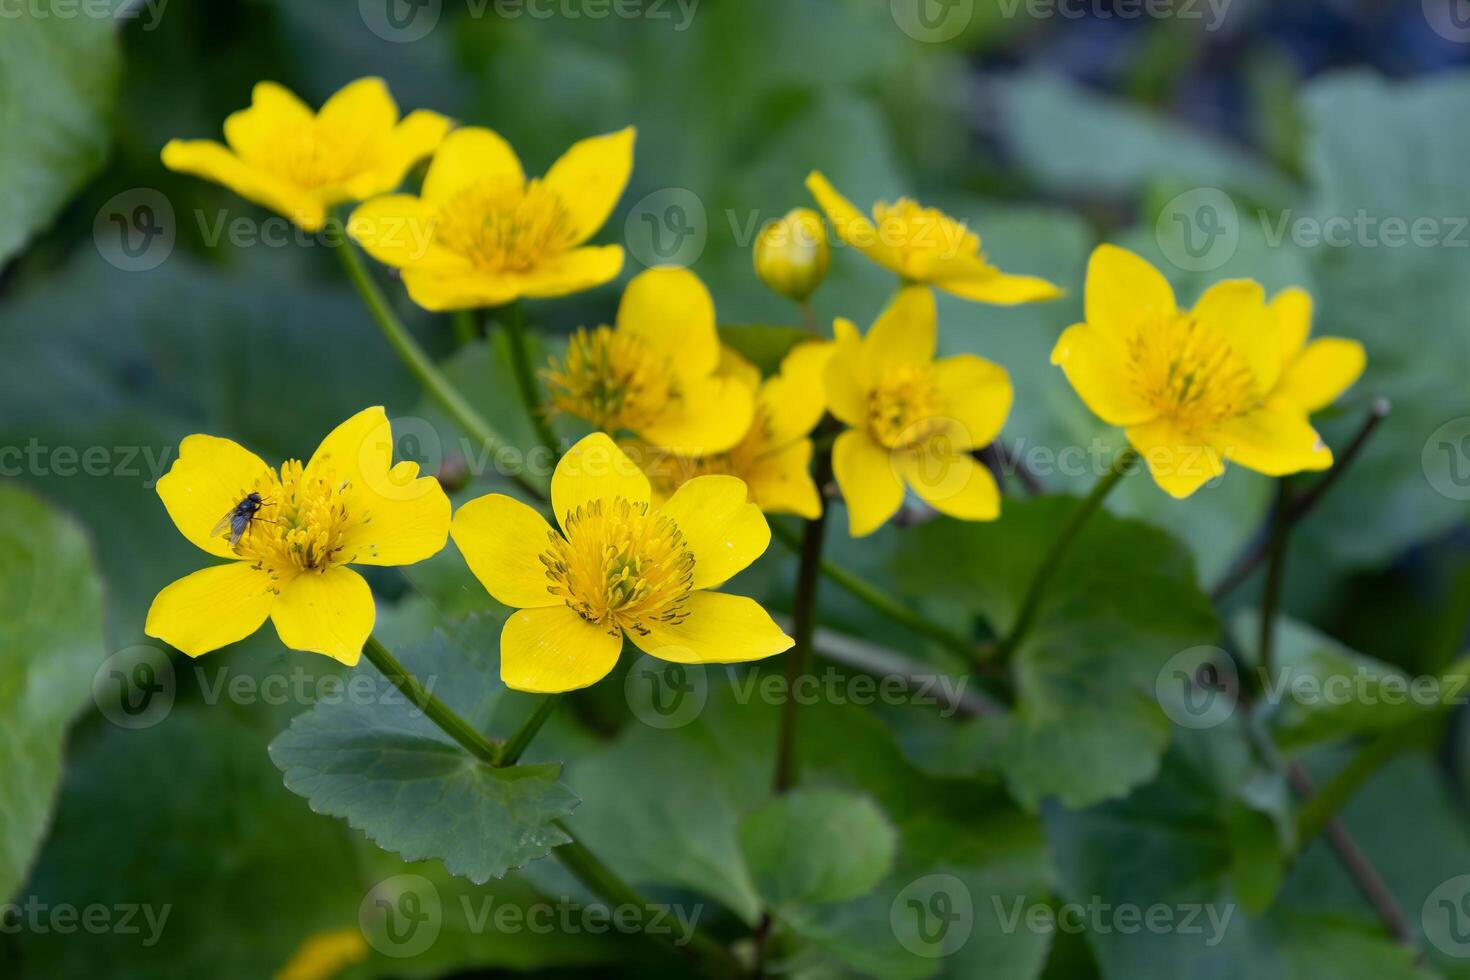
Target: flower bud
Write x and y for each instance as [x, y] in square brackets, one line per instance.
[791, 254]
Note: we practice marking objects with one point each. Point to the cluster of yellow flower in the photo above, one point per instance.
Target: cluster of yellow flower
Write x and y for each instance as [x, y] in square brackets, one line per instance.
[650, 523]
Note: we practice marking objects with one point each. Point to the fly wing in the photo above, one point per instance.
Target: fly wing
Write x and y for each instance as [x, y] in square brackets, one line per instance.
[223, 526]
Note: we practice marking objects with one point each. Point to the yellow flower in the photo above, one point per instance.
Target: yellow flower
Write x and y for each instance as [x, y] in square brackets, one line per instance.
[324, 955]
[349, 505]
[1230, 379]
[791, 254]
[481, 234]
[299, 163]
[617, 566]
[774, 456]
[914, 419]
[924, 245]
[656, 374]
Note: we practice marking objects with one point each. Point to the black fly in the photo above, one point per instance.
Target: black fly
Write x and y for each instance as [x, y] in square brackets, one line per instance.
[237, 521]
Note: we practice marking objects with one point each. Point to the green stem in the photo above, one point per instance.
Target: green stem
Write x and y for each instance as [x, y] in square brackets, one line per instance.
[878, 600]
[1325, 802]
[1053, 559]
[513, 747]
[435, 710]
[530, 391]
[466, 330]
[713, 959]
[580, 861]
[1275, 578]
[803, 624]
[423, 368]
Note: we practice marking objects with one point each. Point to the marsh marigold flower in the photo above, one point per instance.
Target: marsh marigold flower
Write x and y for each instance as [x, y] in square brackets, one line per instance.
[618, 566]
[914, 420]
[300, 163]
[1231, 378]
[655, 375]
[924, 245]
[791, 254]
[348, 505]
[481, 234]
[774, 456]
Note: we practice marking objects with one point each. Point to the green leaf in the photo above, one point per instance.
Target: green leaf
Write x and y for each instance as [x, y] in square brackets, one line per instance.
[58, 82]
[380, 764]
[1175, 847]
[51, 644]
[1086, 726]
[1074, 141]
[813, 846]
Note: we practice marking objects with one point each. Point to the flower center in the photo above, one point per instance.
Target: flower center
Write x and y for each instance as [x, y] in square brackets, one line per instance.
[302, 522]
[613, 380]
[620, 567]
[923, 237]
[502, 226]
[905, 408]
[1189, 373]
[312, 154]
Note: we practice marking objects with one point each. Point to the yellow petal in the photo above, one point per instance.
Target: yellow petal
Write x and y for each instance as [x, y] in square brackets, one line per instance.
[1096, 365]
[573, 271]
[1292, 309]
[1002, 289]
[468, 156]
[1180, 463]
[441, 292]
[851, 225]
[723, 531]
[502, 541]
[711, 415]
[1236, 310]
[718, 629]
[328, 612]
[398, 230]
[846, 377]
[781, 482]
[253, 133]
[212, 161]
[211, 608]
[734, 365]
[595, 469]
[870, 483]
[977, 398]
[210, 477]
[547, 651]
[405, 145]
[952, 483]
[1273, 441]
[590, 177]
[1324, 370]
[906, 332]
[672, 311]
[1123, 290]
[399, 517]
[361, 107]
[795, 400]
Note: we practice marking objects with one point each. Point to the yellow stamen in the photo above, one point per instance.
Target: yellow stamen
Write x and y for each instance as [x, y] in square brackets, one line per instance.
[502, 226]
[313, 154]
[612, 379]
[1190, 373]
[303, 522]
[620, 567]
[922, 237]
[905, 408]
